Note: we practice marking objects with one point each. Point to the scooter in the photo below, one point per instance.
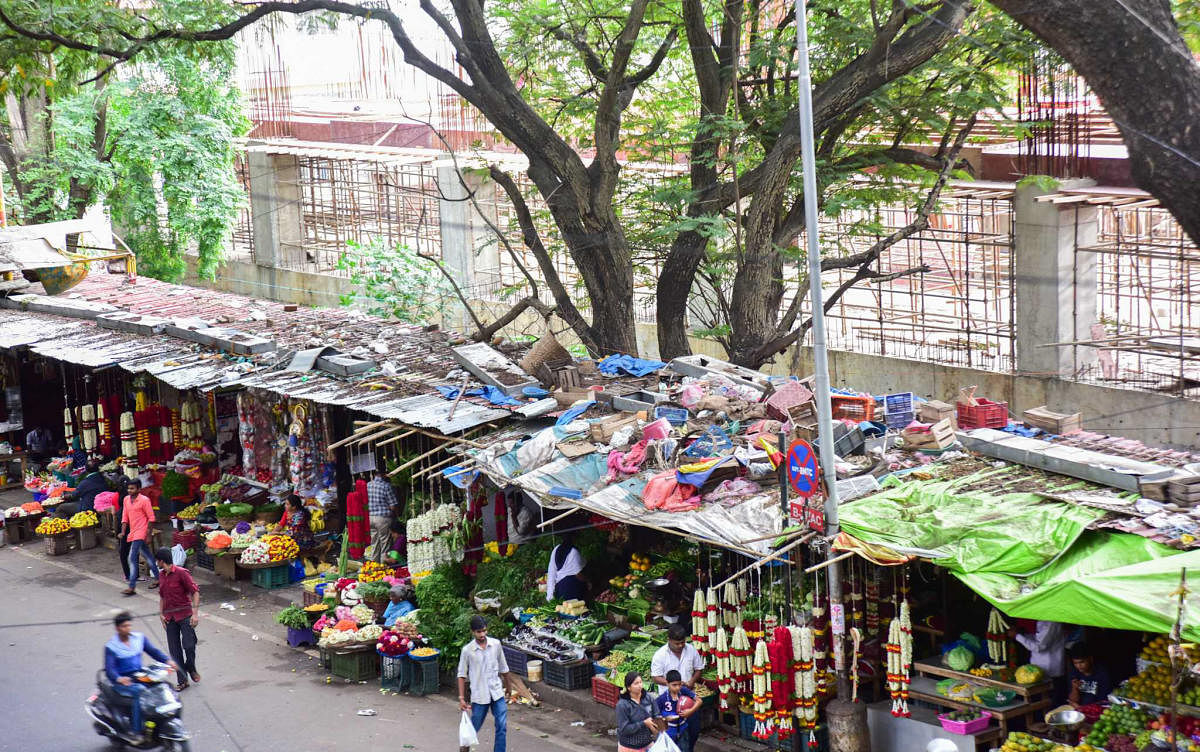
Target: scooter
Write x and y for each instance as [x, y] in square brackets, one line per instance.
[161, 712]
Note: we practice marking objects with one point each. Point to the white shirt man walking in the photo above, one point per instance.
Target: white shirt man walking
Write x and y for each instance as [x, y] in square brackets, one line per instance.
[482, 664]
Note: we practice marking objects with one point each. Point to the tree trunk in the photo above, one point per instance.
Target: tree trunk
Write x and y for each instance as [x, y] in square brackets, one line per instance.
[674, 285]
[1133, 57]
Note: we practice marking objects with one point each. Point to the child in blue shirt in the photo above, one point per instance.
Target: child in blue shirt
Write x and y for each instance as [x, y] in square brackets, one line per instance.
[677, 705]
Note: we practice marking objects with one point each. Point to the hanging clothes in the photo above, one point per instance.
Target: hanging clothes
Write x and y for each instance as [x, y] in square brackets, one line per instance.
[358, 530]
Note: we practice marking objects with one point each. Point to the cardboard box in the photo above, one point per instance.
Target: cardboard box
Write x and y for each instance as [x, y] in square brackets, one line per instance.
[602, 431]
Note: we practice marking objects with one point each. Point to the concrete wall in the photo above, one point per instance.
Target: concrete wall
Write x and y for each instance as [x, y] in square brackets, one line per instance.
[284, 285]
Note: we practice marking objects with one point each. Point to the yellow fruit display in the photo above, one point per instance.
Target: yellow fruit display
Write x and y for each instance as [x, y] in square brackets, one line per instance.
[1022, 742]
[1152, 685]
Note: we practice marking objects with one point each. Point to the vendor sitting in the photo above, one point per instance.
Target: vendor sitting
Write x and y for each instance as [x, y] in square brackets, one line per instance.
[295, 523]
[1090, 682]
[399, 550]
[399, 606]
[677, 705]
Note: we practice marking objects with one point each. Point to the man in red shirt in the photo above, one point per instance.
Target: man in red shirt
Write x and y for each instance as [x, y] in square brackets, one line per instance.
[179, 609]
[137, 515]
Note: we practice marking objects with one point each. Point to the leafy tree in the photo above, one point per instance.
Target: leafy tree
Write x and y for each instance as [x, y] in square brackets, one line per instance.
[153, 140]
[395, 282]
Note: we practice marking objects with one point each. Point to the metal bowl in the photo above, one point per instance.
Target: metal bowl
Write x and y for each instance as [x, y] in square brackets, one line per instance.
[1065, 720]
[661, 582]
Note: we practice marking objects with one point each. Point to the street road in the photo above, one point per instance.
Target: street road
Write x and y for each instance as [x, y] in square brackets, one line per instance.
[255, 694]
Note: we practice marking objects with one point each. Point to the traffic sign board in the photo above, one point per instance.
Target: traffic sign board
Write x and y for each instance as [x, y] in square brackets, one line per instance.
[803, 472]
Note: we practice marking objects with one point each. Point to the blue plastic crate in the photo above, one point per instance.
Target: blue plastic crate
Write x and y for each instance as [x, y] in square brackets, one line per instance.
[901, 402]
[898, 420]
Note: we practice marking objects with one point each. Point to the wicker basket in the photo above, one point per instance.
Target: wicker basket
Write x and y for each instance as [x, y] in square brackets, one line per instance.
[269, 518]
[57, 545]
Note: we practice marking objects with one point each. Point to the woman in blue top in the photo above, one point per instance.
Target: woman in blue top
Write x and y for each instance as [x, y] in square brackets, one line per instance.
[123, 658]
[399, 606]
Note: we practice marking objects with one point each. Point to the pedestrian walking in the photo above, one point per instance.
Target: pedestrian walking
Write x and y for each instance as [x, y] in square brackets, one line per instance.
[137, 516]
[638, 721]
[482, 664]
[179, 609]
[381, 508]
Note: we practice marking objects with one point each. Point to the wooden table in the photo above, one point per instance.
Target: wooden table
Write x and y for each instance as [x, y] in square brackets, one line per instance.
[1032, 697]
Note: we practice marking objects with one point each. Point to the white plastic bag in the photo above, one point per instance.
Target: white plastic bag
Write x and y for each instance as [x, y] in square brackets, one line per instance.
[467, 737]
[664, 743]
[178, 555]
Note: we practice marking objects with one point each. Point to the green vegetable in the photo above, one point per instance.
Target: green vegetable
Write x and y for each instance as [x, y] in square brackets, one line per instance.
[959, 659]
[174, 484]
[293, 617]
[374, 591]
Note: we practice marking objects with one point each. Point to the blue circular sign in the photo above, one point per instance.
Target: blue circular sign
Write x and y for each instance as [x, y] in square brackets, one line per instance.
[802, 470]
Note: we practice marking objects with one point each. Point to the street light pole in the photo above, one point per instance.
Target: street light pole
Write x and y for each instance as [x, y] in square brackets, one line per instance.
[820, 358]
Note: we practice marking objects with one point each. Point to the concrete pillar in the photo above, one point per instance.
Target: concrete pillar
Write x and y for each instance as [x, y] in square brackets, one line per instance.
[470, 250]
[276, 210]
[1055, 286]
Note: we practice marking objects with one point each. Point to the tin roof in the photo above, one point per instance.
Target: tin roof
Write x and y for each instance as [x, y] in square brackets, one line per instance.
[419, 359]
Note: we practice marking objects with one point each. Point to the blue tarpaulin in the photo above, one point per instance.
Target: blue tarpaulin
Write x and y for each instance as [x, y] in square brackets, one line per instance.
[489, 393]
[614, 365]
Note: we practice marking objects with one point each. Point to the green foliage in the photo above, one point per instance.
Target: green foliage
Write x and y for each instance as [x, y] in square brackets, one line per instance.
[444, 613]
[374, 591]
[1041, 182]
[293, 617]
[394, 282]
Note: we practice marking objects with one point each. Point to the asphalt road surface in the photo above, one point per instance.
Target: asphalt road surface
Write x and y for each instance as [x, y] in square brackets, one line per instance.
[255, 693]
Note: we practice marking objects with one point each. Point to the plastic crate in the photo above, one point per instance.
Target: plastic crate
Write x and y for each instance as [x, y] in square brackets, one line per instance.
[326, 658]
[986, 414]
[897, 420]
[205, 560]
[298, 637]
[901, 402]
[395, 672]
[357, 665]
[605, 692]
[425, 678]
[846, 407]
[569, 676]
[270, 578]
[311, 599]
[746, 729]
[518, 660]
[965, 727]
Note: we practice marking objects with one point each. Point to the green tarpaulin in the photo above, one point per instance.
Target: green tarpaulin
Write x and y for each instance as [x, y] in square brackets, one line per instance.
[1016, 533]
[1031, 557]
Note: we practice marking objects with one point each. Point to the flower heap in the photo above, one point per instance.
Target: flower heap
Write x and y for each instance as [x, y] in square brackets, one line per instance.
[256, 553]
[52, 526]
[86, 518]
[779, 650]
[764, 721]
[372, 571]
[348, 627]
[281, 547]
[899, 660]
[699, 622]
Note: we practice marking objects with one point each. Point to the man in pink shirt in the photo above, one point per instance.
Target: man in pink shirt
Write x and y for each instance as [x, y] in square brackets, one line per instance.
[136, 517]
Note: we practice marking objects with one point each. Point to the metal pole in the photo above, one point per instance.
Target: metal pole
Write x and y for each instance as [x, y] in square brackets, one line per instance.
[820, 359]
[783, 504]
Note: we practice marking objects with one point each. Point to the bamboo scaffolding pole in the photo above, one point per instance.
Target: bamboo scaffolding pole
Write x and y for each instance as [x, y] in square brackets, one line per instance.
[394, 439]
[433, 467]
[360, 432]
[556, 518]
[378, 434]
[828, 562]
[418, 458]
[771, 557]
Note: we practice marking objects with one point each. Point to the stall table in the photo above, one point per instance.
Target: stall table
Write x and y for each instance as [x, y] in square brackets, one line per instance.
[892, 734]
[1030, 699]
[7, 461]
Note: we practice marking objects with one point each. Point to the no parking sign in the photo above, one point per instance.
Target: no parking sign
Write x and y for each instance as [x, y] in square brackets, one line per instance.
[802, 469]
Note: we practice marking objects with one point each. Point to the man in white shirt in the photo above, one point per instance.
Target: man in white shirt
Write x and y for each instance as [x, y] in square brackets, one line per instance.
[482, 664]
[677, 654]
[1048, 651]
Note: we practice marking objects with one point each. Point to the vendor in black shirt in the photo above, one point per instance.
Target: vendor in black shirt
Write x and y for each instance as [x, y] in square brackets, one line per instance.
[1089, 681]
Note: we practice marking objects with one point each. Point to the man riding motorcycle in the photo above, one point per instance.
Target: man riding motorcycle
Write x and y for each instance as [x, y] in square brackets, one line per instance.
[123, 658]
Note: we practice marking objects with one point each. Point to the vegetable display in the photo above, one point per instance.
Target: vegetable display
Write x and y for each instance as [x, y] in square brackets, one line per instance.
[293, 617]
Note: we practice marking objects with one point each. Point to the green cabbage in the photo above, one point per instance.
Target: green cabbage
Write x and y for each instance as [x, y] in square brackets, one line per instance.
[960, 659]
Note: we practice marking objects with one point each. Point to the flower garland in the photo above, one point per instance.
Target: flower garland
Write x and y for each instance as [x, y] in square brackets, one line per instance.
[712, 620]
[899, 661]
[722, 652]
[87, 415]
[806, 679]
[782, 685]
[997, 638]
[740, 653]
[699, 621]
[730, 605]
[764, 722]
[68, 425]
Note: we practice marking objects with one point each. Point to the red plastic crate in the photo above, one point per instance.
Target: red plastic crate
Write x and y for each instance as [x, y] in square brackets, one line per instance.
[605, 692]
[846, 407]
[986, 414]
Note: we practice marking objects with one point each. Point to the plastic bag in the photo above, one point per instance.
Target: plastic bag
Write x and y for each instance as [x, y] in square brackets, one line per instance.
[467, 737]
[178, 555]
[664, 743]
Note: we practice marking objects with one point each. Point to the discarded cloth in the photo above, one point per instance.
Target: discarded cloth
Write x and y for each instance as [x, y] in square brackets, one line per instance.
[614, 365]
[733, 491]
[538, 450]
[665, 494]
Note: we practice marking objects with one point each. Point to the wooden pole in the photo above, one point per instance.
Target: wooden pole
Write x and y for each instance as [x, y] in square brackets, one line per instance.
[394, 439]
[360, 432]
[828, 562]
[417, 459]
[462, 387]
[378, 434]
[433, 467]
[556, 518]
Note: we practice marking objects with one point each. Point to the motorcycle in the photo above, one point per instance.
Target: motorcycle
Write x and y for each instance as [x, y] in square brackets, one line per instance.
[161, 712]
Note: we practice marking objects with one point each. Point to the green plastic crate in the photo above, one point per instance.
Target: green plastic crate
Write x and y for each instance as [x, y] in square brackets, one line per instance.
[425, 678]
[271, 578]
[358, 665]
[395, 672]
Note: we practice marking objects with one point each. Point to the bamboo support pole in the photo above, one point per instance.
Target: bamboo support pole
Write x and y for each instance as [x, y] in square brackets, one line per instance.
[358, 433]
[418, 458]
[556, 518]
[828, 562]
[433, 467]
[401, 437]
[764, 560]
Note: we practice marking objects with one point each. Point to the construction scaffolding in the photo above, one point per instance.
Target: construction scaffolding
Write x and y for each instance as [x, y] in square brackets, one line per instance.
[960, 312]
